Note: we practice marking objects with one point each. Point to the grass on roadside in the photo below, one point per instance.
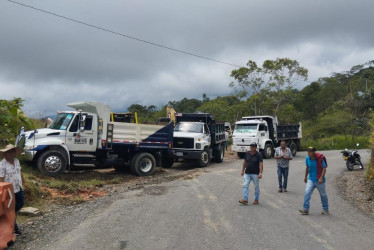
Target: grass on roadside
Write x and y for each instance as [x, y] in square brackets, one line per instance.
[69, 188]
[338, 142]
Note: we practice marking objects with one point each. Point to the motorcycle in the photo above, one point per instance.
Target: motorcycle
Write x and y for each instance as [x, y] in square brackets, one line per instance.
[352, 158]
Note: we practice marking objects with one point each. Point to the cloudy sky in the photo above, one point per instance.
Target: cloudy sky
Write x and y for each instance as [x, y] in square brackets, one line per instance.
[50, 61]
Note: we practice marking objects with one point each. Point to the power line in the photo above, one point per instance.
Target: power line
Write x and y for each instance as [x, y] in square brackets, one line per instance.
[123, 35]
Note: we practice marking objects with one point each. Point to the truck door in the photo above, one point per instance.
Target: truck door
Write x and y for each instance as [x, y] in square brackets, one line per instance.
[207, 133]
[264, 131]
[82, 140]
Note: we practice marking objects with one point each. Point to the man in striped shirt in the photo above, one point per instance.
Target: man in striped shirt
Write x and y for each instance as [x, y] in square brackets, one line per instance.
[283, 155]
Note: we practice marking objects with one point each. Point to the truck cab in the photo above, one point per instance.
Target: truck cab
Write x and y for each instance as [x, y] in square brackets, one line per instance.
[247, 132]
[70, 132]
[199, 138]
[190, 138]
[267, 133]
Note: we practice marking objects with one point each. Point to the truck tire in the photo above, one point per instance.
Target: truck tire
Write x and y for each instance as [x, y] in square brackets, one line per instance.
[167, 162]
[143, 164]
[219, 154]
[268, 151]
[204, 159]
[241, 155]
[293, 147]
[52, 162]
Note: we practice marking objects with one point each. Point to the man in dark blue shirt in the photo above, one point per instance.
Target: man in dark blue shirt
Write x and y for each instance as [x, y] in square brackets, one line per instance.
[252, 171]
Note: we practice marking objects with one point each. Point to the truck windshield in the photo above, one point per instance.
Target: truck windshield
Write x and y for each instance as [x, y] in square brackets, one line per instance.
[61, 121]
[189, 127]
[246, 128]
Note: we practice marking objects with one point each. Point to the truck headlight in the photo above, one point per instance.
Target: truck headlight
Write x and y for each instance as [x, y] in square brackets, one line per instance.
[198, 145]
[29, 147]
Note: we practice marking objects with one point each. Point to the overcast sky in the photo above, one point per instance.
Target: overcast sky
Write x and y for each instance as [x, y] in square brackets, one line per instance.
[50, 61]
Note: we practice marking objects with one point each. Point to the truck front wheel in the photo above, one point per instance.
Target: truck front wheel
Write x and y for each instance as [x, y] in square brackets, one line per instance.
[268, 151]
[143, 164]
[204, 159]
[219, 154]
[52, 163]
[293, 148]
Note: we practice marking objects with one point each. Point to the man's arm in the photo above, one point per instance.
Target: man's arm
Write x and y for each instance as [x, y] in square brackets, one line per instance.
[243, 168]
[261, 169]
[323, 173]
[2, 173]
[23, 181]
[306, 174]
[277, 156]
[290, 154]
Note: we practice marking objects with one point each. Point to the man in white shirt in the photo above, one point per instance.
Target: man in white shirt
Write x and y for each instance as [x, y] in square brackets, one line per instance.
[10, 171]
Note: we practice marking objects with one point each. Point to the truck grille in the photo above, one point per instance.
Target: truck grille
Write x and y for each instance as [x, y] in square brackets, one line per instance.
[183, 142]
[243, 142]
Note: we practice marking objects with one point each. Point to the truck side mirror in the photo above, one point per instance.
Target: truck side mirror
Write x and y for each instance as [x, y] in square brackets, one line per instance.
[82, 123]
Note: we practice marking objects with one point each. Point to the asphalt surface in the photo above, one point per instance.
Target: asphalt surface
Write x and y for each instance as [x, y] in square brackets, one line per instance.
[204, 213]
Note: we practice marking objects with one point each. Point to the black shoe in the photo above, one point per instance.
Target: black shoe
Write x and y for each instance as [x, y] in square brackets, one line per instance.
[304, 212]
[280, 190]
[17, 232]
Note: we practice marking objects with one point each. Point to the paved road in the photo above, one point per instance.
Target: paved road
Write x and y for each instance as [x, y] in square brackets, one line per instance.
[204, 213]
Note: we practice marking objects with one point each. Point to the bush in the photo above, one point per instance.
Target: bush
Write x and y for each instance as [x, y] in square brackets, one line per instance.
[337, 142]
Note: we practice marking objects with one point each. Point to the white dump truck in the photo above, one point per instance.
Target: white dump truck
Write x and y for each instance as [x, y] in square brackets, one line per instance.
[198, 137]
[267, 133]
[92, 135]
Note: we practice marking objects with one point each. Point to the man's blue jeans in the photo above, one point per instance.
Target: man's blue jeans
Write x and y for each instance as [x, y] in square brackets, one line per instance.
[310, 186]
[20, 200]
[282, 172]
[247, 180]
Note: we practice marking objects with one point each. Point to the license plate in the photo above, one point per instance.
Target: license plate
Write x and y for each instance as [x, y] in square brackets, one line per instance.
[242, 149]
[345, 157]
[179, 153]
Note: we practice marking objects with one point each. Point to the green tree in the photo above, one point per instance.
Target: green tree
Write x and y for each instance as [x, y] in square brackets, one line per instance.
[186, 105]
[272, 82]
[12, 119]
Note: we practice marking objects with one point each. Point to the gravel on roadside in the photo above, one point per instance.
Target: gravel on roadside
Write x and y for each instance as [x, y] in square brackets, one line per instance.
[41, 228]
[353, 186]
